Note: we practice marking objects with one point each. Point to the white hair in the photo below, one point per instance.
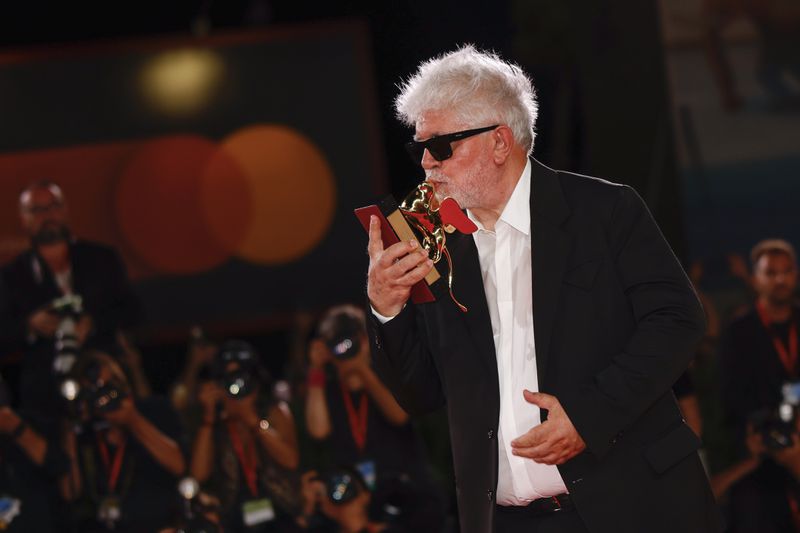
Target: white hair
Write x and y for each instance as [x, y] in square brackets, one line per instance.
[478, 87]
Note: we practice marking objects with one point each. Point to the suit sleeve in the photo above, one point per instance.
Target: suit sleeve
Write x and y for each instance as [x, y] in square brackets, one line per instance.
[669, 322]
[404, 362]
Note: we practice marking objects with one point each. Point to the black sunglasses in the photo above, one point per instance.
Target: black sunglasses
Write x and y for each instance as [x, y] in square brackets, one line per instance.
[439, 146]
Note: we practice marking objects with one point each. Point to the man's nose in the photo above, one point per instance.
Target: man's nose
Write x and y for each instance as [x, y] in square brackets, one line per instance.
[428, 161]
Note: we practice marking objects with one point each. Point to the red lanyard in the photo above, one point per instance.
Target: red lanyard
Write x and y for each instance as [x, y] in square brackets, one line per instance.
[358, 422]
[794, 508]
[248, 462]
[788, 357]
[114, 468]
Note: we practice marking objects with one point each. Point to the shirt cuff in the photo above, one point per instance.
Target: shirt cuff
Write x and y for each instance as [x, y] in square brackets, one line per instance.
[382, 319]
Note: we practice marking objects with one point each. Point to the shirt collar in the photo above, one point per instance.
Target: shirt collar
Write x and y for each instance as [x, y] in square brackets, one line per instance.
[517, 212]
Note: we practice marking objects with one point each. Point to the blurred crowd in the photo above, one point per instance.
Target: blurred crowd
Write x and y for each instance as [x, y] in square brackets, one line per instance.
[85, 444]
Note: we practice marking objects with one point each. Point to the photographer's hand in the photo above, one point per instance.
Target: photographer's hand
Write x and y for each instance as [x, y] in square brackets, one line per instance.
[34, 446]
[755, 443]
[243, 410]
[124, 415]
[209, 396]
[9, 420]
[43, 323]
[318, 354]
[789, 458]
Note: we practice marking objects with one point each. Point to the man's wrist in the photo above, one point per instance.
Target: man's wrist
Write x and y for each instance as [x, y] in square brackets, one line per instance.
[383, 319]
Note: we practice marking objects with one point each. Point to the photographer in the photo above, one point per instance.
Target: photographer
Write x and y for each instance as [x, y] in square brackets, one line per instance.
[245, 450]
[125, 457]
[337, 501]
[759, 356]
[353, 412]
[29, 466]
[58, 265]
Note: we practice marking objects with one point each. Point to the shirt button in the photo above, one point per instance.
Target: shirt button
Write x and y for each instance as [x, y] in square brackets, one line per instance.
[491, 434]
[489, 494]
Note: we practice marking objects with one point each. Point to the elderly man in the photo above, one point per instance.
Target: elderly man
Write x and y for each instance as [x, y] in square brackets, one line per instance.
[56, 265]
[557, 380]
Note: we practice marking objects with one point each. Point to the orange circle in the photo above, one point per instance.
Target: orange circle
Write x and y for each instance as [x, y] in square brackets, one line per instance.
[292, 188]
[161, 204]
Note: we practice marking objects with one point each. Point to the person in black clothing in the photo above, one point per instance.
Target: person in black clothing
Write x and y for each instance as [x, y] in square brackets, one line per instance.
[337, 501]
[30, 465]
[56, 265]
[354, 414]
[245, 450]
[759, 355]
[124, 453]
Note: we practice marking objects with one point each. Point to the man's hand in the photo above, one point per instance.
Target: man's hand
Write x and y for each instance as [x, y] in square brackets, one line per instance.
[393, 271]
[43, 323]
[553, 442]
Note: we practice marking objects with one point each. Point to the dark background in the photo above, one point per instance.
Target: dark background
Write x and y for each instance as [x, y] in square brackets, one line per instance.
[597, 66]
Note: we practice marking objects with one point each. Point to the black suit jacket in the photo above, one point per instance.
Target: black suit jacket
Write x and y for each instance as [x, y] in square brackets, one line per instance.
[615, 322]
[98, 275]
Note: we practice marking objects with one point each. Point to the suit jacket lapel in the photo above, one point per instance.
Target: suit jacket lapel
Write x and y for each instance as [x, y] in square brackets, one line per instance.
[468, 289]
[550, 246]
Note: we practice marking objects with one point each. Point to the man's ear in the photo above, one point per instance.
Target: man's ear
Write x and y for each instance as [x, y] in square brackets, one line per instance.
[503, 143]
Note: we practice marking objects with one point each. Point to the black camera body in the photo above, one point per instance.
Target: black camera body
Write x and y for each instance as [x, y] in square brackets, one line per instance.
[242, 380]
[775, 431]
[342, 485]
[102, 398]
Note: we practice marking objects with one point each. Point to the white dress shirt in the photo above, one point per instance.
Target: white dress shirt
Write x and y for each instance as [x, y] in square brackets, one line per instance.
[505, 258]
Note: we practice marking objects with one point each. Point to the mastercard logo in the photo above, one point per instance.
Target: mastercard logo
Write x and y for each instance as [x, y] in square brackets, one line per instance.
[186, 204]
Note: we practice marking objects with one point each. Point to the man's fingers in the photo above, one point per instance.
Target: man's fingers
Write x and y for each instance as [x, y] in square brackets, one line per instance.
[391, 255]
[545, 401]
[534, 437]
[375, 246]
[406, 264]
[417, 273]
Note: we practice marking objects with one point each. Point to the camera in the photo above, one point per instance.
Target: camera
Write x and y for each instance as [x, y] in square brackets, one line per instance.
[194, 512]
[89, 397]
[240, 381]
[103, 397]
[342, 484]
[69, 309]
[776, 426]
[342, 335]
